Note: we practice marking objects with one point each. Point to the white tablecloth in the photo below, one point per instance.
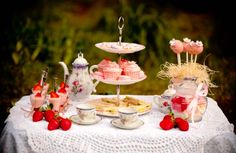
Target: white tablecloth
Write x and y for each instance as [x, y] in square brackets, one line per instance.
[213, 134]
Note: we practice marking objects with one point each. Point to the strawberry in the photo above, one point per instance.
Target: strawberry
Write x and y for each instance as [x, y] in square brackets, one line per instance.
[37, 116]
[37, 87]
[54, 94]
[168, 116]
[65, 124]
[38, 94]
[179, 103]
[53, 124]
[49, 114]
[63, 85]
[166, 124]
[182, 124]
[62, 90]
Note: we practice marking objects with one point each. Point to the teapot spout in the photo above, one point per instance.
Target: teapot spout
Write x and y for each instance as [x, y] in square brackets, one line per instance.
[66, 71]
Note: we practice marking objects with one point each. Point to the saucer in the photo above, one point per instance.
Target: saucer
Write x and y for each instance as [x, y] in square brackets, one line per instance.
[76, 119]
[117, 123]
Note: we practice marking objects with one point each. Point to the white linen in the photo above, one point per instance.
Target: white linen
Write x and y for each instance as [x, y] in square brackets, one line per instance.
[103, 137]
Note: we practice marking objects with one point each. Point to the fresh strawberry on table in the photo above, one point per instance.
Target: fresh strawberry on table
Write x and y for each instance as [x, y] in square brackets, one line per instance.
[37, 116]
[168, 122]
[65, 124]
[49, 114]
[182, 124]
[53, 124]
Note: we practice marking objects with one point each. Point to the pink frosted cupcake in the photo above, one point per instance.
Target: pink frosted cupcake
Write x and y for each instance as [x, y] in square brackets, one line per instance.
[111, 73]
[123, 63]
[132, 70]
[103, 64]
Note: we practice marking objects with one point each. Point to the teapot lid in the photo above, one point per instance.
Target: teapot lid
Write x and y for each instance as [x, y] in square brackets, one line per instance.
[80, 61]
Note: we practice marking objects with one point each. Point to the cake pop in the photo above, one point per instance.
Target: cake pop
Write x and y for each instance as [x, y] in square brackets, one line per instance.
[198, 48]
[177, 47]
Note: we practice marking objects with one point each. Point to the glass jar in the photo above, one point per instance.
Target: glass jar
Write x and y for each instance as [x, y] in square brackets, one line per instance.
[189, 101]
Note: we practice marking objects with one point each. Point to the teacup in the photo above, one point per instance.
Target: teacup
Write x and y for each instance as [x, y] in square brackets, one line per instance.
[86, 112]
[128, 115]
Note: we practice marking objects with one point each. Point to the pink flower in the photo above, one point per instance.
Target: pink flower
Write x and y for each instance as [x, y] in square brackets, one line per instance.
[75, 83]
[165, 103]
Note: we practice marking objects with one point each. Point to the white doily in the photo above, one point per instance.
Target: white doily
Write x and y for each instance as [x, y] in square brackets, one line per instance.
[103, 137]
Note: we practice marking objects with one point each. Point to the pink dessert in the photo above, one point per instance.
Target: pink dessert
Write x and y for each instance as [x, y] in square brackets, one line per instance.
[103, 64]
[37, 100]
[123, 63]
[111, 73]
[98, 75]
[64, 96]
[197, 47]
[132, 70]
[37, 88]
[186, 44]
[124, 77]
[55, 100]
[176, 46]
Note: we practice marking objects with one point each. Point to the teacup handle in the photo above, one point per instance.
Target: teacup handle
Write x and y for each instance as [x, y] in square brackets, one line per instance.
[90, 72]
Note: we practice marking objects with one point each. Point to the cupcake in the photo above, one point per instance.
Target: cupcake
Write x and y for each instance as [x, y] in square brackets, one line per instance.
[111, 73]
[103, 64]
[132, 70]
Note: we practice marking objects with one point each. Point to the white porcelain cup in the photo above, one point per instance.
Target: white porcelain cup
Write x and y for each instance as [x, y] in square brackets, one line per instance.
[128, 115]
[86, 112]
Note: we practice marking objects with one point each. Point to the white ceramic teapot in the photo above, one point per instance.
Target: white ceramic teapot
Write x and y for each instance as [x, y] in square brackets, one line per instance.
[80, 82]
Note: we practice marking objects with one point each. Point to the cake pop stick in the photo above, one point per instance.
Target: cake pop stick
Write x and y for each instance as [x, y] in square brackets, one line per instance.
[186, 47]
[191, 50]
[177, 47]
[198, 49]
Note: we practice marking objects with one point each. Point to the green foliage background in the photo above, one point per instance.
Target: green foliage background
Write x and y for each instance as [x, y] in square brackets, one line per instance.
[48, 32]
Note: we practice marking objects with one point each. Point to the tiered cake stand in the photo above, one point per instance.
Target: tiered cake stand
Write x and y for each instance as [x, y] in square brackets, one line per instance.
[120, 48]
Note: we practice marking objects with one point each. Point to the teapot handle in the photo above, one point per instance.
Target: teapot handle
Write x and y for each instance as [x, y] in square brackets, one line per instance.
[92, 68]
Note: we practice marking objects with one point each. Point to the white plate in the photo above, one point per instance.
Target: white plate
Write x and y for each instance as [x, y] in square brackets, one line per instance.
[117, 123]
[119, 82]
[76, 119]
[124, 48]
